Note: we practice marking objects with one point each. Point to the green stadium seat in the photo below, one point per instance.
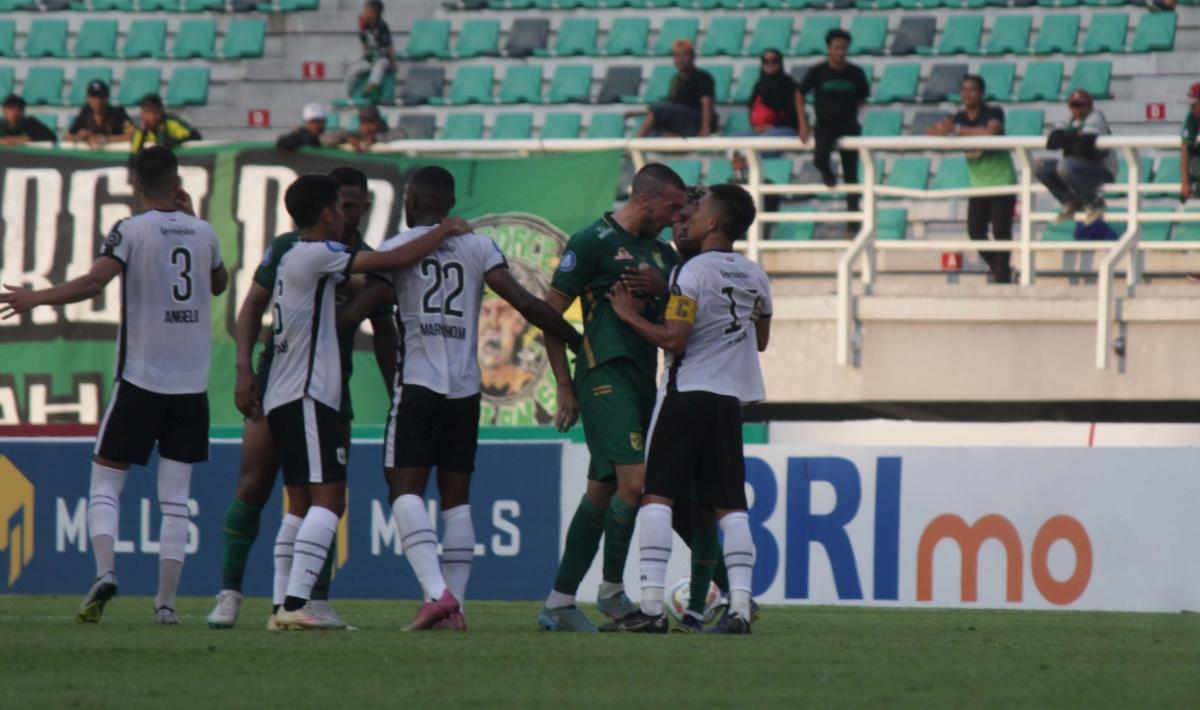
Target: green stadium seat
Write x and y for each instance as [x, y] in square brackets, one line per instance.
[1167, 173]
[883, 123]
[203, 5]
[146, 39]
[1187, 231]
[1024, 122]
[478, 38]
[1156, 231]
[911, 173]
[463, 127]
[1042, 82]
[572, 83]
[13, 5]
[1106, 33]
[737, 122]
[745, 84]
[49, 120]
[720, 171]
[1109, 3]
[1059, 35]
[952, 174]
[8, 77]
[718, 4]
[796, 231]
[659, 84]
[724, 37]
[562, 125]
[385, 93]
[627, 37]
[869, 33]
[83, 76]
[244, 38]
[777, 171]
[43, 86]
[772, 33]
[1146, 166]
[675, 28]
[577, 4]
[722, 75]
[513, 126]
[188, 87]
[162, 6]
[429, 39]
[46, 38]
[891, 224]
[999, 78]
[1010, 35]
[812, 35]
[472, 85]
[288, 5]
[1093, 76]
[687, 168]
[8, 34]
[195, 39]
[136, 82]
[1155, 33]
[105, 5]
[963, 34]
[577, 37]
[97, 38]
[1064, 232]
[619, 4]
[899, 83]
[606, 125]
[521, 84]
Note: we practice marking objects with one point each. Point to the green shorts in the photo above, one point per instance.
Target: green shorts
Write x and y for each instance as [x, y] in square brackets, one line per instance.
[616, 401]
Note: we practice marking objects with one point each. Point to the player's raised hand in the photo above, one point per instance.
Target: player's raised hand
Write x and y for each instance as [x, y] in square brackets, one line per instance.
[16, 301]
[457, 226]
[183, 202]
[246, 395]
[624, 303]
[568, 407]
[645, 281]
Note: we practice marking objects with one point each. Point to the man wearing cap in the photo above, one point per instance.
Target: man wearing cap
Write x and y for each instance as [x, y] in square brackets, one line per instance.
[307, 135]
[1075, 179]
[99, 122]
[690, 109]
[372, 129]
[159, 127]
[16, 128]
[1189, 168]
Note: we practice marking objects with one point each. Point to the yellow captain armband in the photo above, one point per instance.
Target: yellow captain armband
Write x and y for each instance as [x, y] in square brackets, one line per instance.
[681, 308]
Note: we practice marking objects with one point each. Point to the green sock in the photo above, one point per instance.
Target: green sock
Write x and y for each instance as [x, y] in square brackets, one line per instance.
[583, 540]
[320, 588]
[618, 533]
[240, 530]
[720, 574]
[706, 550]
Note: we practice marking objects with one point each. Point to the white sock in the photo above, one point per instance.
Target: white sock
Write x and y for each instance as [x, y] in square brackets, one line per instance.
[174, 480]
[284, 545]
[311, 548]
[654, 538]
[104, 514]
[558, 600]
[610, 589]
[420, 544]
[739, 560]
[458, 549]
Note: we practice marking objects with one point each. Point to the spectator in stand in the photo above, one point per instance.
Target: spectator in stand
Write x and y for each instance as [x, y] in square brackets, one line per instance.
[839, 89]
[377, 54]
[690, 109]
[1189, 168]
[1075, 179]
[159, 127]
[100, 122]
[1161, 5]
[16, 128]
[987, 168]
[775, 102]
[372, 129]
[309, 135]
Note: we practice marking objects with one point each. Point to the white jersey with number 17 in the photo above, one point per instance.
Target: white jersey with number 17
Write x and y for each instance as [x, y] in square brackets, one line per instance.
[718, 292]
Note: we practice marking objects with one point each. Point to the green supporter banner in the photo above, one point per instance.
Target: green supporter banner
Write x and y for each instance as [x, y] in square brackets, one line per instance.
[57, 206]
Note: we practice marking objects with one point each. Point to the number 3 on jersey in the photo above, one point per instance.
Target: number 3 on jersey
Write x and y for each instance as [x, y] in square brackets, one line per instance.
[436, 272]
[181, 259]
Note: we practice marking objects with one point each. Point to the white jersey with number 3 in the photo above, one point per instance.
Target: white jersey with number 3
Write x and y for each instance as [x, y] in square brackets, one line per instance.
[718, 292]
[438, 303]
[166, 295]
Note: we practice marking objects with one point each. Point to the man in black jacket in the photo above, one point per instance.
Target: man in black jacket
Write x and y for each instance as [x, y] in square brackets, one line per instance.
[17, 128]
[307, 135]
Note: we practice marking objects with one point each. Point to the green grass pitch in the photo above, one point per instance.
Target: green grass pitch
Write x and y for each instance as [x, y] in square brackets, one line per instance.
[797, 657]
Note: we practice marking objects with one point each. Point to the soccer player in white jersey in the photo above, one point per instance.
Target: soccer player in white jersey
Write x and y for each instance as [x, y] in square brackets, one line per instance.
[434, 419]
[717, 321]
[305, 388]
[170, 267]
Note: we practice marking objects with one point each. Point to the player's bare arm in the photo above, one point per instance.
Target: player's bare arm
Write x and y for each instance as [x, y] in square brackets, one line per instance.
[646, 282]
[567, 407]
[534, 309]
[249, 322]
[408, 254]
[384, 337]
[376, 293]
[220, 280]
[672, 335]
[20, 300]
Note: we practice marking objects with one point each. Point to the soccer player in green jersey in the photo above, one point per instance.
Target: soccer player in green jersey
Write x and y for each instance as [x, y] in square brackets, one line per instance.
[259, 463]
[613, 387]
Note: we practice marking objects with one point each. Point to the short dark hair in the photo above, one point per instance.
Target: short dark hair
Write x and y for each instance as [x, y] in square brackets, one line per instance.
[154, 167]
[346, 176]
[376, 4]
[435, 187]
[308, 196]
[152, 101]
[653, 177]
[836, 33]
[978, 81]
[735, 208]
[13, 100]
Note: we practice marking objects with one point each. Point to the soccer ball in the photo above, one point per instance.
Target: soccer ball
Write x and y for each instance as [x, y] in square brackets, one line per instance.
[681, 595]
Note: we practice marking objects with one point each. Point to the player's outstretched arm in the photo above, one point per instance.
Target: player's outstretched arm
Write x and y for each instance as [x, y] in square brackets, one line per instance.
[672, 335]
[535, 310]
[20, 300]
[409, 253]
[249, 322]
[566, 406]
